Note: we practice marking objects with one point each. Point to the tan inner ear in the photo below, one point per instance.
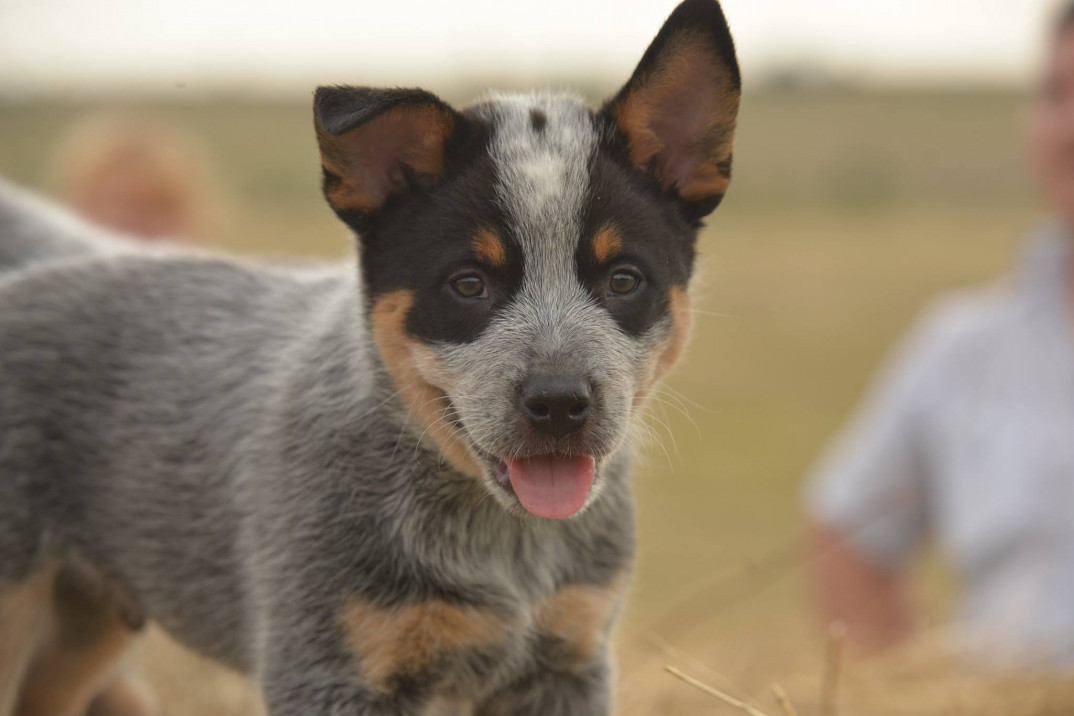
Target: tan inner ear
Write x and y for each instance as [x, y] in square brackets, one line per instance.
[682, 116]
[411, 363]
[370, 159]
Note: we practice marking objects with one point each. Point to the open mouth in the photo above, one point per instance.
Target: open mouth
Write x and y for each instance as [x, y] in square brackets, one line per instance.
[550, 486]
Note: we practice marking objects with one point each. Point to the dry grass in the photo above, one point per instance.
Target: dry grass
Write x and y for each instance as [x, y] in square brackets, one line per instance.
[789, 678]
[921, 678]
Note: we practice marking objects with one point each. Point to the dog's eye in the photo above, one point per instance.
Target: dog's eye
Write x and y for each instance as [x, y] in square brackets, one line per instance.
[624, 282]
[470, 287]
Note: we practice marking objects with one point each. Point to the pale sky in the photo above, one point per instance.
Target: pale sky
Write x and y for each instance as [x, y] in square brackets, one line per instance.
[267, 45]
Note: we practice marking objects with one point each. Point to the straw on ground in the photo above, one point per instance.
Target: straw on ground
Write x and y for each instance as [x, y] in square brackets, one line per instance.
[713, 691]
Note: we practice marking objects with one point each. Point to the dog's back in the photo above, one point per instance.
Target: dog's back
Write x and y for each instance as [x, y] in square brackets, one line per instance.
[131, 386]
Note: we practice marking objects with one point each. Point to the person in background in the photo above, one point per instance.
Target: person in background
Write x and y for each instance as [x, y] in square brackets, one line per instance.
[137, 175]
[968, 438]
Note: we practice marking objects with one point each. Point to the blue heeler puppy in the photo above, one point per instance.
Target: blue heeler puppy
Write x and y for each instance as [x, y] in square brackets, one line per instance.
[399, 488]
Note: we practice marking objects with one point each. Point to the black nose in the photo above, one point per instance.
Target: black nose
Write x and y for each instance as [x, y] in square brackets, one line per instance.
[556, 405]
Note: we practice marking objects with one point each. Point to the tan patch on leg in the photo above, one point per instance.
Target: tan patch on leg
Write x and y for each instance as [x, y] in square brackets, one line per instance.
[394, 641]
[580, 616]
[489, 247]
[606, 243]
[449, 706]
[81, 657]
[25, 618]
[711, 180]
[412, 365]
[667, 353]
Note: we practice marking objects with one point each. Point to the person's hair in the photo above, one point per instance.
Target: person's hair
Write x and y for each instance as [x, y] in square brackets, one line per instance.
[173, 162]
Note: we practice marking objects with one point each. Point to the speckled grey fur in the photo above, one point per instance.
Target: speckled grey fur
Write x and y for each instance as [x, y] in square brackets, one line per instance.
[552, 325]
[221, 441]
[223, 446]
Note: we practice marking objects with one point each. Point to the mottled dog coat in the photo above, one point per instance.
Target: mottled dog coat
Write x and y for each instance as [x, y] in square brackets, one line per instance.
[346, 482]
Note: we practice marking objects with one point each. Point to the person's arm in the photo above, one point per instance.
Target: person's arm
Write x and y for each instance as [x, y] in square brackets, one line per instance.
[868, 599]
[867, 501]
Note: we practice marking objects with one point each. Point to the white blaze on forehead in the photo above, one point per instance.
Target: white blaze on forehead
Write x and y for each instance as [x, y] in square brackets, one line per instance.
[552, 323]
[542, 179]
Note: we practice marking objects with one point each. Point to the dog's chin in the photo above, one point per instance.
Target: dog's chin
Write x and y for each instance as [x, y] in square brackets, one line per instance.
[549, 487]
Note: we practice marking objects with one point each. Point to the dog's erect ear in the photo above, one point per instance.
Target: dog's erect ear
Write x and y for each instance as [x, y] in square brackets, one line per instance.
[677, 112]
[379, 142]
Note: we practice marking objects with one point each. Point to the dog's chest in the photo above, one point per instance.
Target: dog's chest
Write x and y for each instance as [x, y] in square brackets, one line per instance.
[463, 652]
[490, 604]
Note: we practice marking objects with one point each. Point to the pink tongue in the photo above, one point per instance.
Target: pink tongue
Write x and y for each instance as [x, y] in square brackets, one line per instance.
[551, 486]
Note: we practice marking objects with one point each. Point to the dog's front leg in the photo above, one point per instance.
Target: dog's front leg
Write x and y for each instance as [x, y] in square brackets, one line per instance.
[308, 688]
[572, 671]
[571, 691]
[309, 678]
[363, 661]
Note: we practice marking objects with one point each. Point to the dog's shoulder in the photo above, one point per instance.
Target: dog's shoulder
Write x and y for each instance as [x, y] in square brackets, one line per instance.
[162, 320]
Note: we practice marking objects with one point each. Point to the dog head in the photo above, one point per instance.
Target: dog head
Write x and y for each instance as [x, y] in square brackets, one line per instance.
[526, 260]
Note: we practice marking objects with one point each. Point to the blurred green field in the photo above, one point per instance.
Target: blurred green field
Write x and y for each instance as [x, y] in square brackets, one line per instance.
[849, 209]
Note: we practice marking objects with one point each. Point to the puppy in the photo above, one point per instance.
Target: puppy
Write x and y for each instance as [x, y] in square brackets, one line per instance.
[399, 488]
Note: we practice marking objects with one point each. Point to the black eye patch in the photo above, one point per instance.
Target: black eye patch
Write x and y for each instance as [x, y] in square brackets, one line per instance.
[635, 246]
[433, 243]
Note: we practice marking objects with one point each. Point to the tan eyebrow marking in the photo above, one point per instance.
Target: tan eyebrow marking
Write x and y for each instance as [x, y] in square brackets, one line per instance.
[606, 243]
[489, 247]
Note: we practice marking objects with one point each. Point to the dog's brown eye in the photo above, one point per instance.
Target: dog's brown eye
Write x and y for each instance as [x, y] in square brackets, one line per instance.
[469, 287]
[624, 282]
